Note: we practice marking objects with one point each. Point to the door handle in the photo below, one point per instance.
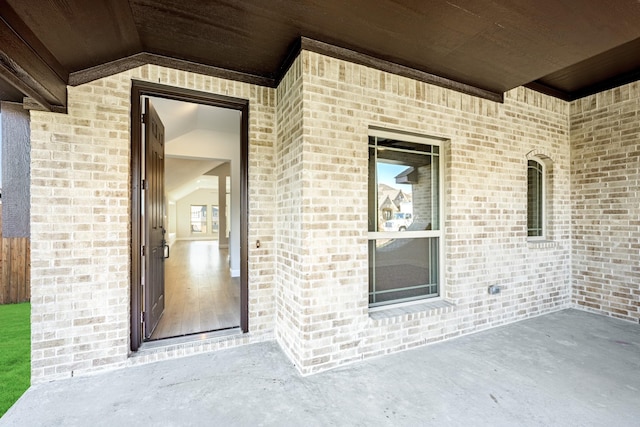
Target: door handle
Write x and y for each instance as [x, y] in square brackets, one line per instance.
[166, 250]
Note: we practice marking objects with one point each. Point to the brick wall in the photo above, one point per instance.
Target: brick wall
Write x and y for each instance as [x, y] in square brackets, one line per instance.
[290, 241]
[80, 214]
[605, 178]
[308, 193]
[485, 222]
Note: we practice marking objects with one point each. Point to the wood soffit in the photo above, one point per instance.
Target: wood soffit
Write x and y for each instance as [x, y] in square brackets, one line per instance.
[479, 47]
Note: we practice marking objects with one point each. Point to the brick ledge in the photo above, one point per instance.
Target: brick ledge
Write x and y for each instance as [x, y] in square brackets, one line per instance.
[423, 309]
[539, 244]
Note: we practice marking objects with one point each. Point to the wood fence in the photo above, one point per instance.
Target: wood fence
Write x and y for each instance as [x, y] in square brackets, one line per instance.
[15, 265]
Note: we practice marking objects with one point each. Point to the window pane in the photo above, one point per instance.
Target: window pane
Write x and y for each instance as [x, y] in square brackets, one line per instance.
[214, 218]
[407, 196]
[395, 203]
[435, 193]
[404, 145]
[534, 199]
[373, 199]
[404, 193]
[402, 269]
[198, 218]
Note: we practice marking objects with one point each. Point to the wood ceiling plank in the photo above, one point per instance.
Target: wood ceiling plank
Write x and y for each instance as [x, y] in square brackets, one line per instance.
[9, 92]
[25, 32]
[491, 45]
[80, 33]
[616, 63]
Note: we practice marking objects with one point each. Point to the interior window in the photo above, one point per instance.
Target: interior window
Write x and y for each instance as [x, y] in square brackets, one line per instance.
[198, 219]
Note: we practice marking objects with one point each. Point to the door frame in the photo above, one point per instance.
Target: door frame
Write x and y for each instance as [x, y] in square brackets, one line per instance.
[141, 88]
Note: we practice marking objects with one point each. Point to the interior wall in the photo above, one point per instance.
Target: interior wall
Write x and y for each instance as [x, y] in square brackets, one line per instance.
[172, 219]
[222, 172]
[209, 144]
[605, 178]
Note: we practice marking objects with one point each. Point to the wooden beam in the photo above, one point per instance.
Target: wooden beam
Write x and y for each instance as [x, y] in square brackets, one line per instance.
[26, 34]
[144, 58]
[15, 206]
[611, 83]
[16, 170]
[133, 61]
[29, 103]
[25, 69]
[538, 86]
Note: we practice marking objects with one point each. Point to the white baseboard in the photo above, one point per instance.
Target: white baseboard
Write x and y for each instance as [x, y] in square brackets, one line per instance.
[197, 238]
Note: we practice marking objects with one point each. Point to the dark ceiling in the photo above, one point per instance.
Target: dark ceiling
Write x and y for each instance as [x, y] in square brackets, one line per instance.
[567, 48]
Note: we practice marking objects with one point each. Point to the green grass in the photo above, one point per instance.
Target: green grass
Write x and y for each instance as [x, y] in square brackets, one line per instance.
[15, 353]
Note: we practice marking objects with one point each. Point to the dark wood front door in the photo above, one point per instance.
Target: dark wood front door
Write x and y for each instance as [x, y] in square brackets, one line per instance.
[143, 298]
[154, 219]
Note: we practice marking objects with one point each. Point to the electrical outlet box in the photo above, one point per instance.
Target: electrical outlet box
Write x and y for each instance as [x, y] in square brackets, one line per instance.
[494, 290]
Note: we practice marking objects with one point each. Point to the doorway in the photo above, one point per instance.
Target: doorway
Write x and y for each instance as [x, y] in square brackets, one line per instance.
[189, 213]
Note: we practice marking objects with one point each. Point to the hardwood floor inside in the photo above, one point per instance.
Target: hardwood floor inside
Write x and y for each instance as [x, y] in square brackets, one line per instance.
[200, 294]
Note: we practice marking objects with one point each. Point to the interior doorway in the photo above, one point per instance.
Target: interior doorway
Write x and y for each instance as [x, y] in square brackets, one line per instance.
[189, 198]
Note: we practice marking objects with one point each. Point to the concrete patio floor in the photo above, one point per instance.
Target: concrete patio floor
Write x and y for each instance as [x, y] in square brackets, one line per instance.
[568, 368]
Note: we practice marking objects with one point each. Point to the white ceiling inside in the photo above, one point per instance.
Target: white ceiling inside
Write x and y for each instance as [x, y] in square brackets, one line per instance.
[187, 127]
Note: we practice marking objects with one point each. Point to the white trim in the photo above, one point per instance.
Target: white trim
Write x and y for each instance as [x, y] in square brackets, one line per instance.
[439, 157]
[372, 235]
[405, 136]
[197, 238]
[403, 304]
[172, 238]
[442, 161]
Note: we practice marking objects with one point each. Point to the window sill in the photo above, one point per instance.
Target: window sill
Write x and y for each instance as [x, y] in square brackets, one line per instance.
[413, 310]
[541, 244]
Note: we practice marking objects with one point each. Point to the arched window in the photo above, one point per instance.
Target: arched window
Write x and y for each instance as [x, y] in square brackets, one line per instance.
[535, 199]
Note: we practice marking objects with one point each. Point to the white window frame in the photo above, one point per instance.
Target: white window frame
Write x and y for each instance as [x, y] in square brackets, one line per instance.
[373, 235]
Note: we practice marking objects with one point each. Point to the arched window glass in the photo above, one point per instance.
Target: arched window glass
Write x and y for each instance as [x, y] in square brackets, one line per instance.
[535, 199]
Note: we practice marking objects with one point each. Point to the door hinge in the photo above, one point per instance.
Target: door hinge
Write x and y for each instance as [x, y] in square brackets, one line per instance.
[143, 118]
[142, 250]
[142, 317]
[145, 184]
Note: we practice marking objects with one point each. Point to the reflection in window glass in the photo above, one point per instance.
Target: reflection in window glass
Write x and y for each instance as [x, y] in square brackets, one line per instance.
[198, 218]
[404, 211]
[535, 199]
[402, 269]
[214, 218]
